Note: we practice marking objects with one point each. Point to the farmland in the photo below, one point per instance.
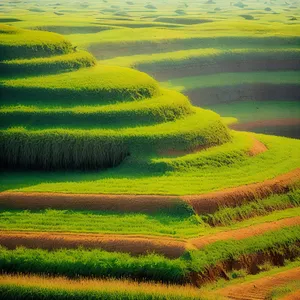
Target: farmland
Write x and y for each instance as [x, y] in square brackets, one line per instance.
[149, 149]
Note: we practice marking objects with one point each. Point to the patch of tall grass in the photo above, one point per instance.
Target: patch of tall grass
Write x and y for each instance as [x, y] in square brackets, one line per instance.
[36, 287]
[100, 148]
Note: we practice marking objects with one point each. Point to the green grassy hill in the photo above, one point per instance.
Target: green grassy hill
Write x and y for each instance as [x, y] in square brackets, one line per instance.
[114, 186]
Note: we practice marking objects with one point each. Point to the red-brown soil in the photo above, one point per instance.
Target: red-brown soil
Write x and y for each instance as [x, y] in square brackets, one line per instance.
[243, 233]
[209, 203]
[133, 244]
[205, 203]
[293, 296]
[125, 203]
[259, 289]
[257, 148]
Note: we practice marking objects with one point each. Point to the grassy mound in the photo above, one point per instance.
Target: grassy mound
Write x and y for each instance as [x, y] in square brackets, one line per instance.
[19, 43]
[53, 64]
[168, 106]
[119, 112]
[100, 84]
[98, 148]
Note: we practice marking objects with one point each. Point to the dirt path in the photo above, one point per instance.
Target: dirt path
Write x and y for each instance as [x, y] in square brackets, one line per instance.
[124, 203]
[260, 288]
[133, 244]
[243, 233]
[209, 203]
[205, 203]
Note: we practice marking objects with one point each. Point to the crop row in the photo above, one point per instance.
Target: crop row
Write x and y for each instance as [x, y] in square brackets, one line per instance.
[98, 263]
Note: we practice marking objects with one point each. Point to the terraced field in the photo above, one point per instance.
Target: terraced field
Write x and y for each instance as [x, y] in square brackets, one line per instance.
[114, 185]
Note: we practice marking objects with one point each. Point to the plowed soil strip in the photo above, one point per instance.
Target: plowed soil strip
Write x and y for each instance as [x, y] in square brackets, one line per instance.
[135, 245]
[205, 203]
[125, 203]
[244, 233]
[259, 289]
[209, 203]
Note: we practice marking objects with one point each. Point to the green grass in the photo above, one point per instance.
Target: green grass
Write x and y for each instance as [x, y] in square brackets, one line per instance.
[131, 179]
[168, 106]
[97, 263]
[98, 148]
[206, 56]
[45, 65]
[251, 111]
[19, 43]
[230, 79]
[100, 84]
[231, 215]
[176, 225]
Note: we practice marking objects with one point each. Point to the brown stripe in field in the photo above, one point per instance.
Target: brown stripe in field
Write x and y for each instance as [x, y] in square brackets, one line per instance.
[259, 289]
[265, 123]
[205, 203]
[209, 203]
[125, 203]
[243, 233]
[135, 245]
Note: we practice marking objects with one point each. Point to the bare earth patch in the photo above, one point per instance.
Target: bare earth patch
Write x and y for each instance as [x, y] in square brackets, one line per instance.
[259, 289]
[133, 244]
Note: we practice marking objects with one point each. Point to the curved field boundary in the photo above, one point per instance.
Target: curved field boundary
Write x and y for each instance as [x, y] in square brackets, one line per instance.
[243, 92]
[209, 203]
[135, 245]
[125, 203]
[206, 203]
[168, 72]
[265, 123]
[244, 233]
[257, 148]
[260, 288]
